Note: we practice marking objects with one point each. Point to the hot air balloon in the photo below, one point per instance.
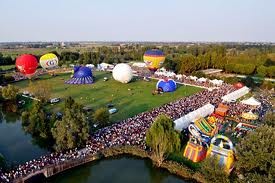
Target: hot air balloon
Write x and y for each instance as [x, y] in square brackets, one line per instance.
[26, 64]
[48, 61]
[123, 73]
[166, 85]
[82, 75]
[154, 59]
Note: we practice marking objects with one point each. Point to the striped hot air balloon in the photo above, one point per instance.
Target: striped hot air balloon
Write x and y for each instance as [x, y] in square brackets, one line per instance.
[154, 59]
[26, 64]
[48, 61]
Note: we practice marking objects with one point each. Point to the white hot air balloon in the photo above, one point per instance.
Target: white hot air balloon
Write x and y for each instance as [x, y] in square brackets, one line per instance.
[122, 73]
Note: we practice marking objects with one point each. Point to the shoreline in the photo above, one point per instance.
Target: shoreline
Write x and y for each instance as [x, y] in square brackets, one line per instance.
[173, 167]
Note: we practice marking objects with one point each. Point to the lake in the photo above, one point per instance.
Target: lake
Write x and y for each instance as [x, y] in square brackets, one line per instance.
[19, 147]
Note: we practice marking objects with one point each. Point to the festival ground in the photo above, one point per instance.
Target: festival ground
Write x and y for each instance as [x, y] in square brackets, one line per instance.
[130, 99]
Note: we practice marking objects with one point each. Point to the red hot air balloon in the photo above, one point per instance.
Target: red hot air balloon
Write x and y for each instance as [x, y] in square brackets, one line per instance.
[27, 64]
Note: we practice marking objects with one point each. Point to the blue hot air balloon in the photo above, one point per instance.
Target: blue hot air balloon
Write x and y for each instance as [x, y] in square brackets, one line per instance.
[82, 75]
[166, 85]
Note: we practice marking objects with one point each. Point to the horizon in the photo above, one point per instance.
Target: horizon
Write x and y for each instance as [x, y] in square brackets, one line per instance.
[138, 21]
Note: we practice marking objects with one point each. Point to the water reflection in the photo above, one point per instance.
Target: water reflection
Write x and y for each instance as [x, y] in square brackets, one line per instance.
[124, 169]
[19, 147]
[15, 145]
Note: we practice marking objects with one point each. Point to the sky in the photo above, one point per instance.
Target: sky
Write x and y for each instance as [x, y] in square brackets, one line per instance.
[137, 20]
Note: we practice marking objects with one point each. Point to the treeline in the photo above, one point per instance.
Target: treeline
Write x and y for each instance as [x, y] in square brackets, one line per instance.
[239, 59]
[103, 54]
[248, 62]
[184, 59]
[7, 60]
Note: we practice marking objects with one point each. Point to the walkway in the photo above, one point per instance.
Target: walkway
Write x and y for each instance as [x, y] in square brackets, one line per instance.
[54, 169]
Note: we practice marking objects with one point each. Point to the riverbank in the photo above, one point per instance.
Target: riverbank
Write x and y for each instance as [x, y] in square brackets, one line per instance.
[175, 168]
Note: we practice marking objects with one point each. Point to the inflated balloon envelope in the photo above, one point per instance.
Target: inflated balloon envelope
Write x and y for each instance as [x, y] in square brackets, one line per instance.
[49, 61]
[194, 150]
[122, 73]
[27, 65]
[222, 148]
[154, 59]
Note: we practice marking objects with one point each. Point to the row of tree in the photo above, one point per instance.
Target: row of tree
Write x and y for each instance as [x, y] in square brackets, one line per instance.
[6, 60]
[71, 131]
[181, 59]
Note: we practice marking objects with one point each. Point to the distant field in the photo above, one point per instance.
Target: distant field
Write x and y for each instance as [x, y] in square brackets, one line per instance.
[130, 99]
[39, 51]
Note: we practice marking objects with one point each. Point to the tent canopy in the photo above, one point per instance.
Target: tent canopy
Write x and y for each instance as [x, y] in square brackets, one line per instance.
[184, 121]
[251, 101]
[236, 94]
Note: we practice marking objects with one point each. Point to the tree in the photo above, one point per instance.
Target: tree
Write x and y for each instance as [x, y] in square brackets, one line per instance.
[72, 131]
[10, 92]
[249, 81]
[270, 119]
[2, 161]
[162, 138]
[271, 71]
[213, 171]
[256, 155]
[169, 64]
[69, 102]
[262, 71]
[41, 90]
[35, 122]
[101, 117]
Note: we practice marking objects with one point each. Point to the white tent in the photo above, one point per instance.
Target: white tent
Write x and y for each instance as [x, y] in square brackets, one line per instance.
[251, 101]
[202, 80]
[193, 78]
[184, 121]
[178, 76]
[90, 66]
[139, 64]
[216, 82]
[104, 66]
[236, 94]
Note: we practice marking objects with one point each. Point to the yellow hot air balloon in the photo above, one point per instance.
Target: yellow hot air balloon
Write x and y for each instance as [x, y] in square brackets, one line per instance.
[48, 61]
[154, 59]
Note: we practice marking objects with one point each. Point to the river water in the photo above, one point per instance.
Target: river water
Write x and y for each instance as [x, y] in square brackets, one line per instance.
[19, 147]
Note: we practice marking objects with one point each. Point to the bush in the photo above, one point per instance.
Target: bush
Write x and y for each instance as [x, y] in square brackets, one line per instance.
[213, 172]
[9, 79]
[101, 117]
[199, 74]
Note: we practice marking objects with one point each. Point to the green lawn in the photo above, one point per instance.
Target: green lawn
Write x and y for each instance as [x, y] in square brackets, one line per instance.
[130, 99]
[5, 67]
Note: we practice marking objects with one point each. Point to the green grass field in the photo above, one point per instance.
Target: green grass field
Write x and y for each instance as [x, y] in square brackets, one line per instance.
[130, 99]
[5, 67]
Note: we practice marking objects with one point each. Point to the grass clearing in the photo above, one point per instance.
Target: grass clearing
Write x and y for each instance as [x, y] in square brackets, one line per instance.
[5, 67]
[130, 99]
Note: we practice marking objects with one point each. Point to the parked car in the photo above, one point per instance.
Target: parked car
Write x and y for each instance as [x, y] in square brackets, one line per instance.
[26, 92]
[54, 100]
[112, 111]
[110, 105]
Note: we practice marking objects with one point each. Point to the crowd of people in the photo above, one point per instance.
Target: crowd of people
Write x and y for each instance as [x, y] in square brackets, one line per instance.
[19, 76]
[131, 131]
